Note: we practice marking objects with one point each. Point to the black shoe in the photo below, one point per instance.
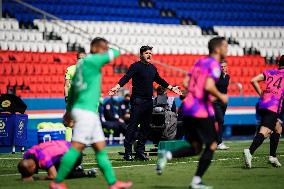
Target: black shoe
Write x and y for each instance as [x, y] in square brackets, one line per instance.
[91, 173]
[128, 157]
[141, 157]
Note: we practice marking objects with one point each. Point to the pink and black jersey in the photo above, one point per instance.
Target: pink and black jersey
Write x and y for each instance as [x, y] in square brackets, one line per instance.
[197, 102]
[274, 90]
[47, 154]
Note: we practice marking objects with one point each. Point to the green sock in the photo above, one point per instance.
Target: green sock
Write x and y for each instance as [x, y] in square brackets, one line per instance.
[67, 163]
[105, 166]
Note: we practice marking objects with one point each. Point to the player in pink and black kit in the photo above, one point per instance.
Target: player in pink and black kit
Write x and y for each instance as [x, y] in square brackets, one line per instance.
[47, 156]
[198, 112]
[270, 106]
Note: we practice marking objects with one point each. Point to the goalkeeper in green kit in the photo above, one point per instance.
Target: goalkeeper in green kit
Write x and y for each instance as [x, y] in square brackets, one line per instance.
[82, 105]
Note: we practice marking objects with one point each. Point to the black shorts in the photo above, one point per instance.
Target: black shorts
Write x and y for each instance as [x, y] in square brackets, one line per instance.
[268, 118]
[200, 130]
[281, 117]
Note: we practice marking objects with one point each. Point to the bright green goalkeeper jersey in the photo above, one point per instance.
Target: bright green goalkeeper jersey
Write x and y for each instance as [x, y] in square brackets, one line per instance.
[85, 88]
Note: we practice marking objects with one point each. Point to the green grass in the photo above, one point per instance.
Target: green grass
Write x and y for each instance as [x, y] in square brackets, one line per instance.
[222, 174]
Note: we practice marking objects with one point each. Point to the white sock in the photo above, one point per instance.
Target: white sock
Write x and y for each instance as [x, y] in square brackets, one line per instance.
[196, 180]
[169, 155]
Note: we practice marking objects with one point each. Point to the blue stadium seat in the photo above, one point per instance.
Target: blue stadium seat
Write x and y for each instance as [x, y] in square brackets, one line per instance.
[205, 13]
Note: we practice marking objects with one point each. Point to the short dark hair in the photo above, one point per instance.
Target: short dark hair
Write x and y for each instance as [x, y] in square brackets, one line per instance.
[98, 40]
[144, 49]
[80, 52]
[214, 43]
[281, 61]
[160, 90]
[126, 95]
[23, 169]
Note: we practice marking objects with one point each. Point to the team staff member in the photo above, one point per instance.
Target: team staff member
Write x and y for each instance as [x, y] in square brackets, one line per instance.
[219, 107]
[143, 74]
[70, 71]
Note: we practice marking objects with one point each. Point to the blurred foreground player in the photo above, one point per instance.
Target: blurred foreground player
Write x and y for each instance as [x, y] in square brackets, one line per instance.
[198, 112]
[83, 103]
[47, 156]
[270, 105]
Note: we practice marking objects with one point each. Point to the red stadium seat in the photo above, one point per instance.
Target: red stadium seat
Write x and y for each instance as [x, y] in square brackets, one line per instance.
[22, 68]
[19, 57]
[8, 69]
[12, 81]
[19, 80]
[4, 57]
[26, 80]
[15, 68]
[3, 89]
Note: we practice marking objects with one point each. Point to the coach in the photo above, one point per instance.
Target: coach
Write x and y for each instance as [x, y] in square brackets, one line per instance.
[143, 74]
[220, 108]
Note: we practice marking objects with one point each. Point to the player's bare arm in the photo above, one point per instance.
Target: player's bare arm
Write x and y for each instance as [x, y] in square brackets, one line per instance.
[51, 174]
[66, 87]
[255, 84]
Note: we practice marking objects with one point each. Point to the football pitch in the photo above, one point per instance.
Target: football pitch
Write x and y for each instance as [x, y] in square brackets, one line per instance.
[226, 171]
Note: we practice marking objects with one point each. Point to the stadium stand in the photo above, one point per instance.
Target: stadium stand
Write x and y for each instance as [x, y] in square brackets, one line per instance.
[34, 55]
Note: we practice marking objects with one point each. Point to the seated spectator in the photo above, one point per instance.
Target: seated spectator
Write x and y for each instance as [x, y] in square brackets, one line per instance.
[47, 156]
[124, 108]
[110, 118]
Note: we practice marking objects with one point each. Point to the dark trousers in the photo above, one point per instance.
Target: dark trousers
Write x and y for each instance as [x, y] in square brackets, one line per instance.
[220, 110]
[141, 113]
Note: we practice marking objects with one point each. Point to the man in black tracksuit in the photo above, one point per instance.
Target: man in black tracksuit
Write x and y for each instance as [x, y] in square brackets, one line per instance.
[220, 108]
[143, 74]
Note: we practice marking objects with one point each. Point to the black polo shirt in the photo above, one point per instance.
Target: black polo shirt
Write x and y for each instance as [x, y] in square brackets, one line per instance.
[143, 75]
[223, 83]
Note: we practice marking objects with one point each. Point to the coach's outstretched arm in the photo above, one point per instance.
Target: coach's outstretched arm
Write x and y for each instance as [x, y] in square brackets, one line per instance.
[131, 71]
[165, 84]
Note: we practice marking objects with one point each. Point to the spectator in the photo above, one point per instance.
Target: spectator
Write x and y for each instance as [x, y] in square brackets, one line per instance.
[124, 108]
[110, 118]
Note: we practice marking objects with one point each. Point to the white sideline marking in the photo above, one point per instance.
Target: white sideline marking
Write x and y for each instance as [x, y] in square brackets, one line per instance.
[152, 164]
[10, 158]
